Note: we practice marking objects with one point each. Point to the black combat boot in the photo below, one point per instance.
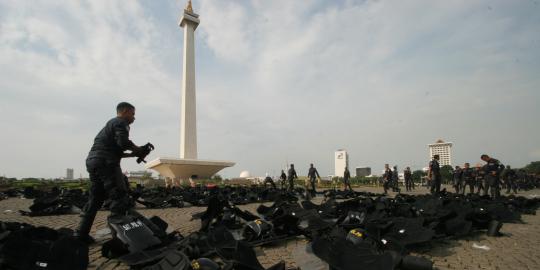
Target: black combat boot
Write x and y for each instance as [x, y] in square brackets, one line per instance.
[83, 232]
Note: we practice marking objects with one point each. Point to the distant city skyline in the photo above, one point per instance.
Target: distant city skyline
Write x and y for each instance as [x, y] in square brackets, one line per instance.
[277, 81]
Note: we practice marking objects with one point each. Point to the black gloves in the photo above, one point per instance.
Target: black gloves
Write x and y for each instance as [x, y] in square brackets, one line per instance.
[143, 152]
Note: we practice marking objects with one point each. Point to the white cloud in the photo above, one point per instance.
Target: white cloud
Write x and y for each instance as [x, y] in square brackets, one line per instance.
[277, 80]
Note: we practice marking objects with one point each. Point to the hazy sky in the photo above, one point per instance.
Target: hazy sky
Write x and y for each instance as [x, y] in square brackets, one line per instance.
[277, 81]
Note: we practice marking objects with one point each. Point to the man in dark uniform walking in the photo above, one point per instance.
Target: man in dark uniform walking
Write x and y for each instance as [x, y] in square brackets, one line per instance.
[509, 177]
[395, 180]
[467, 178]
[103, 165]
[456, 176]
[493, 171]
[479, 176]
[282, 179]
[387, 178]
[313, 174]
[291, 176]
[434, 173]
[346, 181]
[407, 176]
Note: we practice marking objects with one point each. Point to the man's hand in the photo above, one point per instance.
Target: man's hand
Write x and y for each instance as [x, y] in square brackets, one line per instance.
[143, 151]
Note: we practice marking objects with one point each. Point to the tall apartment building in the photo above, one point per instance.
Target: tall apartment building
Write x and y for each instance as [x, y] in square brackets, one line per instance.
[341, 161]
[443, 149]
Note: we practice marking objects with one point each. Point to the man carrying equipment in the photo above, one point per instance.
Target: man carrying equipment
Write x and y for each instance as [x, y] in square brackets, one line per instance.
[492, 170]
[103, 166]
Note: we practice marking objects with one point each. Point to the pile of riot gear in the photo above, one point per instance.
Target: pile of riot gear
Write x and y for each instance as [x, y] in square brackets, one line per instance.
[374, 232]
[347, 230]
[58, 202]
[23, 246]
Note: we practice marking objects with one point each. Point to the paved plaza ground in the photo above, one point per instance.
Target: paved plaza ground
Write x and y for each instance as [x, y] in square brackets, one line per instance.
[519, 248]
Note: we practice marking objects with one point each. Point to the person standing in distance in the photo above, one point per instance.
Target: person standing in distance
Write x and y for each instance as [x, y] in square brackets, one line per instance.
[395, 180]
[407, 175]
[103, 166]
[467, 178]
[346, 179]
[434, 173]
[387, 178]
[291, 176]
[492, 169]
[313, 174]
[456, 176]
[509, 176]
[282, 179]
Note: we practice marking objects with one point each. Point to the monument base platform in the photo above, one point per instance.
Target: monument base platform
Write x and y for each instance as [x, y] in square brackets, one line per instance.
[183, 169]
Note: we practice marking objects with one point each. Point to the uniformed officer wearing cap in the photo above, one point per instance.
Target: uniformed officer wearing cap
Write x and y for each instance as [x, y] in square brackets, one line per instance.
[434, 173]
[492, 170]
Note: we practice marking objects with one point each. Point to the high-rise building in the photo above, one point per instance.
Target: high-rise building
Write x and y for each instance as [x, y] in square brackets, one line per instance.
[69, 174]
[443, 149]
[363, 171]
[341, 161]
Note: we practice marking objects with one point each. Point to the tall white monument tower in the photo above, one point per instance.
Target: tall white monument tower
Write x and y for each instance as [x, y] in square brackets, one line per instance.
[188, 122]
[188, 165]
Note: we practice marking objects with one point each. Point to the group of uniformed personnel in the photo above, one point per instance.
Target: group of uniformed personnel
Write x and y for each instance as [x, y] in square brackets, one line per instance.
[487, 179]
[287, 179]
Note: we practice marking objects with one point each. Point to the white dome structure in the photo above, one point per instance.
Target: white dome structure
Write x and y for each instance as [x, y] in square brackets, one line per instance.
[245, 174]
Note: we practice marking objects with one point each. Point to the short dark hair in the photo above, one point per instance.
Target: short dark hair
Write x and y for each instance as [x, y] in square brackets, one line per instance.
[484, 156]
[436, 156]
[122, 106]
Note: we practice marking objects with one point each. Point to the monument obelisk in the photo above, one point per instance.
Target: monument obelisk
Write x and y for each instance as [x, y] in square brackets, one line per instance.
[188, 166]
[188, 122]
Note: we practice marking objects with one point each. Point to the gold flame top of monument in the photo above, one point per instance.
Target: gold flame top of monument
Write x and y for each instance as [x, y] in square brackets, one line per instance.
[189, 7]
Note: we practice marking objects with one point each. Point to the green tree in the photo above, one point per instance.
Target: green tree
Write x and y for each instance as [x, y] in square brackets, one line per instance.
[417, 175]
[533, 167]
[446, 173]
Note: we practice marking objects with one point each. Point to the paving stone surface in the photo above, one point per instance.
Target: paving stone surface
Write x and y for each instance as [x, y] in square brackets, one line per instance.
[519, 248]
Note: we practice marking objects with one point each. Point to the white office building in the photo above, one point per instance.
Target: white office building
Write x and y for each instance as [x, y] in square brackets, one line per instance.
[69, 174]
[443, 149]
[341, 161]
